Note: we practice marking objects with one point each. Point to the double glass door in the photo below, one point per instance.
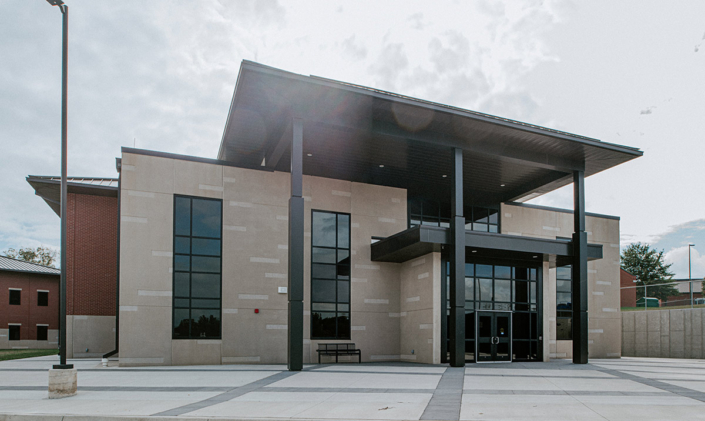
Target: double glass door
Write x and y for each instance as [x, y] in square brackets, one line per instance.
[494, 336]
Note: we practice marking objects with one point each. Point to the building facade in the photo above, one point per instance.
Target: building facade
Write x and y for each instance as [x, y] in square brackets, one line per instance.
[91, 272]
[29, 313]
[337, 213]
[391, 311]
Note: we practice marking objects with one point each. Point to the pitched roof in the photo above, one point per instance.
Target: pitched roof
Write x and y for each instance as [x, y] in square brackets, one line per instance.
[14, 265]
[49, 188]
[366, 135]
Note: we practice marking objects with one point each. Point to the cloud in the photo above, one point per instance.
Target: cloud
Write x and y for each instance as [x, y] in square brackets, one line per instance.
[160, 73]
[479, 68]
[679, 258]
[354, 48]
[416, 21]
[675, 243]
[391, 61]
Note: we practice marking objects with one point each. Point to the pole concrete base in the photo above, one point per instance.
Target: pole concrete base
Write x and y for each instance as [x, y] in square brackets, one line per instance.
[62, 383]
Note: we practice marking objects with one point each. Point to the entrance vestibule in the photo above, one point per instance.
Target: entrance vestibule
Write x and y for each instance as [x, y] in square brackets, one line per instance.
[502, 308]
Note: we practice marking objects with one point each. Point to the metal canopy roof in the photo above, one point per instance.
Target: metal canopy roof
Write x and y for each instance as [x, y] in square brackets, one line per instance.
[14, 265]
[351, 131]
[421, 240]
[49, 188]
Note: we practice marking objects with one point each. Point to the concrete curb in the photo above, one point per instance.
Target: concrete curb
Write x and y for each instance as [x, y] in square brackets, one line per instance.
[38, 417]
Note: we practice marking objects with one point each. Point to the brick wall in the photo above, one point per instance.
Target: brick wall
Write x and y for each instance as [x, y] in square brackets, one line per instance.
[91, 268]
[28, 313]
[627, 296]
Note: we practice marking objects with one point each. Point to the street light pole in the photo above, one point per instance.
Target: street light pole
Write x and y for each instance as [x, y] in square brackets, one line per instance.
[64, 190]
[690, 279]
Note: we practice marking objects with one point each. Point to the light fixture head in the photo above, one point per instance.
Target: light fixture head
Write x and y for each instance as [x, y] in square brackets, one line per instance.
[444, 176]
[502, 185]
[381, 165]
[309, 154]
[691, 245]
[474, 251]
[55, 2]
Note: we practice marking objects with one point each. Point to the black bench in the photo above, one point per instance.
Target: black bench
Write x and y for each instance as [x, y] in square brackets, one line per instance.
[338, 349]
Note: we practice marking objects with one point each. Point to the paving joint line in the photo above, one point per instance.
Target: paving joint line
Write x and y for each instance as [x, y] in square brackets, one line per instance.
[447, 398]
[573, 397]
[226, 396]
[677, 390]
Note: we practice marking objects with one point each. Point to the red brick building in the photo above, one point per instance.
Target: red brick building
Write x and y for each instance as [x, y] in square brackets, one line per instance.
[91, 266]
[627, 296]
[29, 305]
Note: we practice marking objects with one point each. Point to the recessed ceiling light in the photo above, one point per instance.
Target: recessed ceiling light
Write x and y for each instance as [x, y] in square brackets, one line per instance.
[444, 176]
[502, 185]
[535, 257]
[309, 154]
[474, 251]
[381, 166]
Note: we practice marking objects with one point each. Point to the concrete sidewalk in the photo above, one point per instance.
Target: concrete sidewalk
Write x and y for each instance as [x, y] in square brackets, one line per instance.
[630, 388]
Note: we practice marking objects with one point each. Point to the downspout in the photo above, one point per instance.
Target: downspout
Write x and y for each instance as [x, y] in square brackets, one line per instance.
[118, 166]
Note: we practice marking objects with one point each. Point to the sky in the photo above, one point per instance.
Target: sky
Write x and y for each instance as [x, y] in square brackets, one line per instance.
[160, 75]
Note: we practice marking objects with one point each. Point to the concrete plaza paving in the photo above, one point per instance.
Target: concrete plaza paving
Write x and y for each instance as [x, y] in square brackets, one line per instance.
[617, 389]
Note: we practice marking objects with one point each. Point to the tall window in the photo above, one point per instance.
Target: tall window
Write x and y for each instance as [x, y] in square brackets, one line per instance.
[197, 267]
[330, 275]
[564, 303]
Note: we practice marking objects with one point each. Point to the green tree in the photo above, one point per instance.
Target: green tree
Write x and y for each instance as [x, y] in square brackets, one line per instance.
[40, 255]
[648, 266]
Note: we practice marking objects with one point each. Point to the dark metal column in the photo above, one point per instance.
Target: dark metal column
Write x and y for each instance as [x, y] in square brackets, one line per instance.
[295, 345]
[64, 189]
[580, 272]
[456, 328]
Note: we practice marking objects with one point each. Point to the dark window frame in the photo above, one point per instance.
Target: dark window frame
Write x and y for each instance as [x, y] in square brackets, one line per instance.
[11, 336]
[531, 310]
[45, 330]
[18, 300]
[470, 218]
[338, 335]
[43, 302]
[190, 272]
[437, 219]
[562, 313]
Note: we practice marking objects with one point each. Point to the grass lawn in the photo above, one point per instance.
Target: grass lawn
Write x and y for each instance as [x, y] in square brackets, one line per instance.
[15, 354]
[661, 308]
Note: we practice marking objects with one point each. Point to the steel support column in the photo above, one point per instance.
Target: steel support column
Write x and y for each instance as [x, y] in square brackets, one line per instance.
[456, 328]
[64, 189]
[295, 339]
[580, 272]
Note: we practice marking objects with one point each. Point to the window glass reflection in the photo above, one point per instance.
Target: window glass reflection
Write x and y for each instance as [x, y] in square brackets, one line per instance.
[323, 229]
[197, 267]
[330, 275]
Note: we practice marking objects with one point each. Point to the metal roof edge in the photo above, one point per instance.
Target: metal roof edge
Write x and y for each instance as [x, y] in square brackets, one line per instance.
[50, 268]
[518, 125]
[48, 180]
[191, 158]
[31, 271]
[562, 210]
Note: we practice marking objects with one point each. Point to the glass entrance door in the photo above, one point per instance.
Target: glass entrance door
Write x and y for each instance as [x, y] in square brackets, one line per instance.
[494, 336]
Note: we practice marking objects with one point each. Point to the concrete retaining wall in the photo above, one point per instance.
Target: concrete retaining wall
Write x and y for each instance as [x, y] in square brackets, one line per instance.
[663, 333]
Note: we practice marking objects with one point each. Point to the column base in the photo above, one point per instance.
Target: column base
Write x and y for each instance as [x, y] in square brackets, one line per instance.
[63, 382]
